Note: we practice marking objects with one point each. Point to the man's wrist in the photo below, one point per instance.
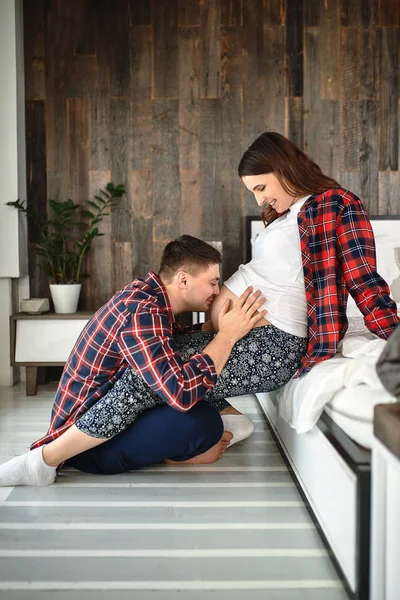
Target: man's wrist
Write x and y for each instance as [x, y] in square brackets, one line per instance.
[226, 338]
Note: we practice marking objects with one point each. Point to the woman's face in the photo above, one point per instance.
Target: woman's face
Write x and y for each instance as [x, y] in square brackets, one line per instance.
[267, 190]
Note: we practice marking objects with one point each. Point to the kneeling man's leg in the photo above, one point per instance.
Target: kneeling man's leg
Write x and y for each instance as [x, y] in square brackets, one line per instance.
[158, 434]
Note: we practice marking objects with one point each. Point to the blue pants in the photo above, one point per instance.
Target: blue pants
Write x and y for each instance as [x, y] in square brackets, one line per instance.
[158, 433]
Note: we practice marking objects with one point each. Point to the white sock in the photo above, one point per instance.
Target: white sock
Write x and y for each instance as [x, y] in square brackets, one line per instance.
[27, 469]
[239, 425]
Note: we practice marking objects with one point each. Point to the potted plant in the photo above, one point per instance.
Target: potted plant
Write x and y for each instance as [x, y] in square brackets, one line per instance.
[65, 237]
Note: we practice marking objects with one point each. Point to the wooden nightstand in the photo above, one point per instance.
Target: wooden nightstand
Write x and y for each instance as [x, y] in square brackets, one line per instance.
[44, 340]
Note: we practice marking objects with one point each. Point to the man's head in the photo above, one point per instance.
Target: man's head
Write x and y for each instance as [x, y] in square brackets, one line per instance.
[190, 272]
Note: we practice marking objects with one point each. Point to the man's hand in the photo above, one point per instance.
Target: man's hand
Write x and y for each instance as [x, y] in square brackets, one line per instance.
[236, 322]
[207, 326]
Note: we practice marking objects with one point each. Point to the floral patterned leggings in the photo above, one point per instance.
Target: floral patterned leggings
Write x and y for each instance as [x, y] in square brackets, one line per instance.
[262, 361]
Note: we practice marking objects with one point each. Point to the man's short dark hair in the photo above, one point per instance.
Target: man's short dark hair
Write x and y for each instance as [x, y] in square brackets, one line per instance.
[187, 253]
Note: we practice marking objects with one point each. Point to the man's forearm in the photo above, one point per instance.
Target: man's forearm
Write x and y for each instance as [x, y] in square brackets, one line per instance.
[219, 350]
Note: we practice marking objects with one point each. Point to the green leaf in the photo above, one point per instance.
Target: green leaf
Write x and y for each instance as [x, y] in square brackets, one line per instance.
[93, 204]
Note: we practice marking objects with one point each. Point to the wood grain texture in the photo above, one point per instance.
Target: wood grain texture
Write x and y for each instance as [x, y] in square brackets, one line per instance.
[98, 288]
[328, 154]
[85, 31]
[191, 206]
[312, 99]
[274, 60]
[210, 167]
[231, 88]
[99, 132]
[311, 13]
[140, 12]
[36, 188]
[294, 48]
[273, 12]
[294, 121]
[141, 194]
[188, 13]
[113, 55]
[350, 13]
[389, 182]
[189, 98]
[368, 66]
[119, 166]
[166, 188]
[359, 13]
[388, 40]
[58, 46]
[253, 65]
[141, 121]
[122, 259]
[388, 13]
[77, 143]
[349, 94]
[165, 48]
[210, 26]
[350, 180]
[369, 155]
[165, 95]
[34, 50]
[329, 57]
[232, 12]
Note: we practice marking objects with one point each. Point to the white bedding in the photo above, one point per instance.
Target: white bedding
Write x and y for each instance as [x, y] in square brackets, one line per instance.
[347, 385]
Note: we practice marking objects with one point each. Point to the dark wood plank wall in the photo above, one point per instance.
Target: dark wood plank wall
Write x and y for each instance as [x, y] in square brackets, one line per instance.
[165, 95]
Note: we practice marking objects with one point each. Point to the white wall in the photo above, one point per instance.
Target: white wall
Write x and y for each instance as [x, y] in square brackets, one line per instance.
[13, 254]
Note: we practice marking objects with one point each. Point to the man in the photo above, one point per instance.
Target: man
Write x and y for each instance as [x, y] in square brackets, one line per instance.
[135, 328]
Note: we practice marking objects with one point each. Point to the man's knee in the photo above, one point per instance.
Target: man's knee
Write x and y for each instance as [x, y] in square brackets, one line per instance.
[202, 428]
[206, 420]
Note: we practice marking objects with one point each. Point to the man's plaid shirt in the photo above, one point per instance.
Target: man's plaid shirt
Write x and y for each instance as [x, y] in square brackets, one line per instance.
[135, 328]
[338, 254]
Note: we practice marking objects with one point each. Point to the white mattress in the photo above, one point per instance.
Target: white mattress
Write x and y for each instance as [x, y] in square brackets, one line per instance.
[346, 387]
[354, 413]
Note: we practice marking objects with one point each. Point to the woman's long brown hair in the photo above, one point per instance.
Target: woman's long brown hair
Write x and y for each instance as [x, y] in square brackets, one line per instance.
[296, 172]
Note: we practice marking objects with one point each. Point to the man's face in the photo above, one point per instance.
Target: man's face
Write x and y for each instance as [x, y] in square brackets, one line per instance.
[202, 289]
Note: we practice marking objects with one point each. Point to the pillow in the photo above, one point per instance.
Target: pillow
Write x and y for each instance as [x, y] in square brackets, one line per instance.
[387, 241]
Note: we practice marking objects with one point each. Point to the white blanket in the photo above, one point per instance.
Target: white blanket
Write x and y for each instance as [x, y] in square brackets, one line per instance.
[301, 401]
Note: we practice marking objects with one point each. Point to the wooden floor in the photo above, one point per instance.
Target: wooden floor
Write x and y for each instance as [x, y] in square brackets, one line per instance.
[234, 530]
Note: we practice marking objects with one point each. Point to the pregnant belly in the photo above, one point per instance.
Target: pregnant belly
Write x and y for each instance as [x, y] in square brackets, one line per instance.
[217, 305]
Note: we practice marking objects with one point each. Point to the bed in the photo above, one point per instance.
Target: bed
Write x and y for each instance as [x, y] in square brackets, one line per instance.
[323, 423]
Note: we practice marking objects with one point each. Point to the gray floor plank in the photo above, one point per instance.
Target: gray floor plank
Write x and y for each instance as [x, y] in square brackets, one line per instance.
[192, 532]
[55, 514]
[145, 539]
[166, 569]
[56, 493]
[286, 594]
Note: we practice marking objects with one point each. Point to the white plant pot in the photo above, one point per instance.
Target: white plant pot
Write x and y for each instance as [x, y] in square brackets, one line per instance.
[65, 297]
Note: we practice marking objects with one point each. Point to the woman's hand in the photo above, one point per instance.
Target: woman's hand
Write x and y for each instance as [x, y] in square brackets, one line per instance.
[236, 322]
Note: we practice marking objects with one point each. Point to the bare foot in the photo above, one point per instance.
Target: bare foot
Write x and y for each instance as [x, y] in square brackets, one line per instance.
[210, 456]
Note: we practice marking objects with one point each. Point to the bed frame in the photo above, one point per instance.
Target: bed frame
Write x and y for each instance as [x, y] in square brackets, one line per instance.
[334, 477]
[333, 472]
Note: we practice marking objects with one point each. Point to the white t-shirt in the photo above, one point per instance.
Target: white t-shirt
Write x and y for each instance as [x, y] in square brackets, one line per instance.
[276, 270]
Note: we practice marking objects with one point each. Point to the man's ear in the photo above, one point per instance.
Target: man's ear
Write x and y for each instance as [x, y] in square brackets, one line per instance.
[181, 278]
